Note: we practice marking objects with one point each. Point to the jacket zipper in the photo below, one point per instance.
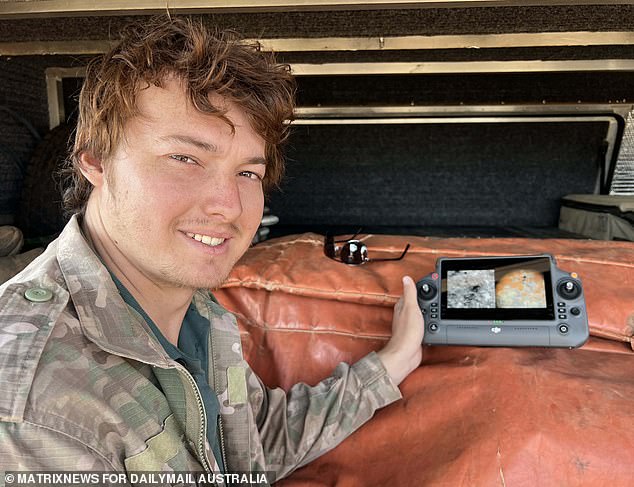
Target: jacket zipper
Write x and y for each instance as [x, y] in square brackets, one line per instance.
[213, 372]
[222, 442]
[203, 419]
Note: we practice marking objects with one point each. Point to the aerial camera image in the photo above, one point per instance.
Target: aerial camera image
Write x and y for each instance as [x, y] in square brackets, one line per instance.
[471, 289]
[521, 288]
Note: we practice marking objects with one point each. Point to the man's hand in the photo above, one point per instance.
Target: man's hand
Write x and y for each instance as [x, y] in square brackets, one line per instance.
[403, 353]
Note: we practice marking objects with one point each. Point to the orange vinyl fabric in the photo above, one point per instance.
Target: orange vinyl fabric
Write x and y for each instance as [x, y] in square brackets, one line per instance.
[469, 416]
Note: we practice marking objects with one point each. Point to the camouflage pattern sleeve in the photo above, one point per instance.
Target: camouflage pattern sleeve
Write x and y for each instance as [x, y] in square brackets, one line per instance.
[298, 426]
[29, 447]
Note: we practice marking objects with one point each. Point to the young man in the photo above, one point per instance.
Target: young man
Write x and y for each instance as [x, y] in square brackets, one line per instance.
[113, 356]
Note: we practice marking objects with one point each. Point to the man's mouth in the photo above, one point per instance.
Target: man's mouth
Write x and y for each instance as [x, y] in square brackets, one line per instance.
[206, 239]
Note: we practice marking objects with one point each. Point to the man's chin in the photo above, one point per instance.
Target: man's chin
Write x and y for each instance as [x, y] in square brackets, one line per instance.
[196, 279]
[208, 282]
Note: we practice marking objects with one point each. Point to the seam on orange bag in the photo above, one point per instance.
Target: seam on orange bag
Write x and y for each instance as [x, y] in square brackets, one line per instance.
[268, 285]
[268, 327]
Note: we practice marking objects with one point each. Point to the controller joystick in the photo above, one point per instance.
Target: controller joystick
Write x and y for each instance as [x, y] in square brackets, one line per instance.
[569, 289]
[427, 291]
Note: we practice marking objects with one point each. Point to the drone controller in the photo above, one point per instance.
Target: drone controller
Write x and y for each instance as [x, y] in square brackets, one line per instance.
[503, 301]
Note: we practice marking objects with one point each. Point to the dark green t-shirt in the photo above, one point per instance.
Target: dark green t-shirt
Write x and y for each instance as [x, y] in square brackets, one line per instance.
[192, 354]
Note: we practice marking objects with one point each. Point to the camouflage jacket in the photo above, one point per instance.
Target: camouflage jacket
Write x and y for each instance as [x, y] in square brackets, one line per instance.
[85, 385]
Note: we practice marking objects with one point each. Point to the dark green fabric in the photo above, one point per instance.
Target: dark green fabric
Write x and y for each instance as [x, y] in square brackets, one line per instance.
[192, 353]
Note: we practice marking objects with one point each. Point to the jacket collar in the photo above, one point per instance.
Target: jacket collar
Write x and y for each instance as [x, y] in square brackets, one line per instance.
[104, 317]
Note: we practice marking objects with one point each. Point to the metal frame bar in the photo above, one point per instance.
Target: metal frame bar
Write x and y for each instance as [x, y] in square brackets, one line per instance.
[53, 8]
[39, 48]
[448, 120]
[331, 69]
[461, 41]
[330, 44]
[561, 109]
[54, 92]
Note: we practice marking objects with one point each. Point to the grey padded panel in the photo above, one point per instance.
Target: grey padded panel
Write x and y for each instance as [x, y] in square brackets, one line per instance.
[435, 175]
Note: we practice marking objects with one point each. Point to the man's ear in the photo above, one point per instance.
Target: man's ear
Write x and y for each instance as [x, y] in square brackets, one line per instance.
[92, 169]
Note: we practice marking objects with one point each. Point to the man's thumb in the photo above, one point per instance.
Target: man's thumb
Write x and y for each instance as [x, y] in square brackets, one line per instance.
[409, 289]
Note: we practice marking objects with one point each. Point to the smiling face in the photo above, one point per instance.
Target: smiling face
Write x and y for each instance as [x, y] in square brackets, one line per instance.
[181, 197]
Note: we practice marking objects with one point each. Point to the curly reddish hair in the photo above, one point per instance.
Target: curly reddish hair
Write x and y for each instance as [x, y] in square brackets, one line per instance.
[207, 61]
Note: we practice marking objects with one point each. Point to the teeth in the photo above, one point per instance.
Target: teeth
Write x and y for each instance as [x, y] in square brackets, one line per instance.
[206, 239]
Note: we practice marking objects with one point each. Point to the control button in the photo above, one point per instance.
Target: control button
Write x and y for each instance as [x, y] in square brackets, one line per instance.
[434, 305]
[433, 327]
[561, 304]
[568, 289]
[427, 291]
[561, 310]
[434, 315]
[38, 294]
[575, 311]
[563, 328]
[562, 317]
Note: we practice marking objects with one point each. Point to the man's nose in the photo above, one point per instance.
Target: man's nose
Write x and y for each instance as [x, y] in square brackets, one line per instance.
[222, 197]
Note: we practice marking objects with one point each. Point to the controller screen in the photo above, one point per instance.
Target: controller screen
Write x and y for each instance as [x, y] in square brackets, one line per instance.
[503, 288]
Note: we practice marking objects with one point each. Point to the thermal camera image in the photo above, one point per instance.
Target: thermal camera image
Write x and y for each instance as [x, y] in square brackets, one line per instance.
[471, 289]
[521, 288]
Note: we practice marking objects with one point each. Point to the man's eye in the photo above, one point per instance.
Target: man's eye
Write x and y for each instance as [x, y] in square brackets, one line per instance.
[251, 175]
[182, 158]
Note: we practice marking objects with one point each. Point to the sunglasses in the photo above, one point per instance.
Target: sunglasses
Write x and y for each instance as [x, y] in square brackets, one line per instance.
[352, 252]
